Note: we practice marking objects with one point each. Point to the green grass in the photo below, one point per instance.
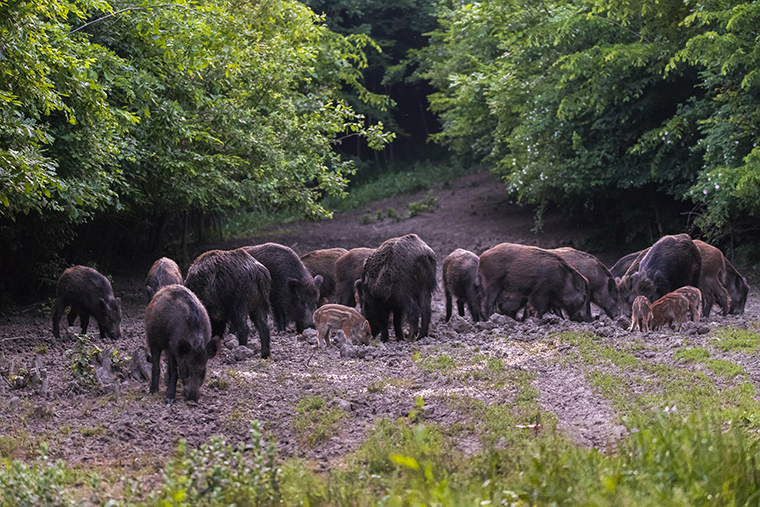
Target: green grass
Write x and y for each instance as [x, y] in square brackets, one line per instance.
[692, 355]
[727, 339]
[315, 423]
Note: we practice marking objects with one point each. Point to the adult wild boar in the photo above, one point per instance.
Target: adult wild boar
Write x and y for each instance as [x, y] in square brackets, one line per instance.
[460, 280]
[322, 263]
[672, 262]
[712, 278]
[232, 286]
[398, 277]
[624, 263]
[88, 293]
[518, 274]
[738, 288]
[177, 322]
[163, 272]
[348, 269]
[295, 292]
[604, 291]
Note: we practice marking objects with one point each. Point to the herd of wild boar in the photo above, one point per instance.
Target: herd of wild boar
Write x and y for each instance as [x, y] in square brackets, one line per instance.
[675, 279]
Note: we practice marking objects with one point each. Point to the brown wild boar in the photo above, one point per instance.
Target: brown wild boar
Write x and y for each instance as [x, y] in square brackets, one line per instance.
[620, 268]
[163, 272]
[348, 269]
[176, 322]
[460, 280]
[233, 286]
[712, 279]
[322, 262]
[604, 291]
[514, 275]
[694, 296]
[738, 288]
[670, 310]
[88, 293]
[295, 292]
[642, 314]
[330, 317]
[398, 278]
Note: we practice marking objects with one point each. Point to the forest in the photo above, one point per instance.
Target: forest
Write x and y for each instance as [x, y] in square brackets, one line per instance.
[125, 124]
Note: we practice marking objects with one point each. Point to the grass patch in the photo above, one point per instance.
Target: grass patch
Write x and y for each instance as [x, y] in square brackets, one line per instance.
[692, 355]
[315, 422]
[442, 363]
[725, 368]
[376, 387]
[728, 339]
[92, 432]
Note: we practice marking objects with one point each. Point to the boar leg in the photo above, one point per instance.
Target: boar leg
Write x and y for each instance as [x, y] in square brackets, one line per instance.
[218, 327]
[155, 373]
[279, 319]
[448, 306]
[398, 321]
[73, 314]
[171, 377]
[239, 326]
[57, 314]
[259, 320]
[84, 320]
[460, 307]
[427, 311]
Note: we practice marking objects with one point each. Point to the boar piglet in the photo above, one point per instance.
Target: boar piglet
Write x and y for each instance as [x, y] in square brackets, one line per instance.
[460, 280]
[233, 286]
[348, 269]
[89, 294]
[330, 317]
[295, 293]
[177, 322]
[641, 317]
[163, 272]
[322, 263]
[670, 310]
[694, 297]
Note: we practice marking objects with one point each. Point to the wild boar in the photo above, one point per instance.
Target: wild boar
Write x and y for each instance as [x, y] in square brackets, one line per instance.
[624, 263]
[712, 278]
[176, 322]
[88, 293]
[604, 291]
[330, 317]
[518, 274]
[694, 296]
[672, 262]
[737, 288]
[295, 292]
[163, 272]
[641, 317]
[399, 277]
[233, 286]
[348, 269]
[460, 280]
[322, 263]
[670, 310]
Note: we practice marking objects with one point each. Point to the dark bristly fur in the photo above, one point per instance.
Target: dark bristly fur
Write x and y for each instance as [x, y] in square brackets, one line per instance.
[322, 262]
[89, 294]
[348, 269]
[460, 280]
[163, 272]
[604, 291]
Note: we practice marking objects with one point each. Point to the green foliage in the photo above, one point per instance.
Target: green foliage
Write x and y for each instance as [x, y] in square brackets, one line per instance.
[599, 105]
[43, 484]
[426, 205]
[80, 359]
[732, 338]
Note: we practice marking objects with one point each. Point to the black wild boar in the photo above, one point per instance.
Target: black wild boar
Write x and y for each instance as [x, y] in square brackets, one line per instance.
[348, 269]
[295, 292]
[604, 291]
[233, 286]
[624, 263]
[672, 262]
[738, 288]
[163, 272]
[515, 275]
[322, 263]
[460, 280]
[177, 322]
[712, 278]
[89, 294]
[398, 277]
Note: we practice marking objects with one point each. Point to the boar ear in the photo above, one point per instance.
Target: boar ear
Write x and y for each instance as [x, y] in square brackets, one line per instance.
[364, 325]
[318, 280]
[212, 348]
[149, 290]
[358, 285]
[184, 348]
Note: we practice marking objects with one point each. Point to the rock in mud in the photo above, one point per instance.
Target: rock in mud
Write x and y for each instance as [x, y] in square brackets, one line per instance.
[231, 343]
[241, 353]
[460, 325]
[623, 322]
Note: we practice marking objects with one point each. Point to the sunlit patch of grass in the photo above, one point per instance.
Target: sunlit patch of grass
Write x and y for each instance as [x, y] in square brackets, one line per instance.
[725, 368]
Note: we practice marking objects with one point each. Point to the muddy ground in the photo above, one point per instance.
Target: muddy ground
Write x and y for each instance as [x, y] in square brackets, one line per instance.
[118, 423]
